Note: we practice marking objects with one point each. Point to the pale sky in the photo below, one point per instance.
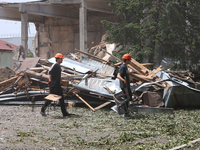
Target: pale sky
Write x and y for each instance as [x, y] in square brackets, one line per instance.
[13, 28]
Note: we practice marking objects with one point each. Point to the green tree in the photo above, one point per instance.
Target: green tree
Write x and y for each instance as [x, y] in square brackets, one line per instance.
[30, 54]
[152, 28]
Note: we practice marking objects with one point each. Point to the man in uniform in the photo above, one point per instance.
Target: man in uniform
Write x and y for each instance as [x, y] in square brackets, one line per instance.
[123, 76]
[55, 87]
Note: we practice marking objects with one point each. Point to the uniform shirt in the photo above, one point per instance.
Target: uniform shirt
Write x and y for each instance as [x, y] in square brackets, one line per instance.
[55, 72]
[124, 74]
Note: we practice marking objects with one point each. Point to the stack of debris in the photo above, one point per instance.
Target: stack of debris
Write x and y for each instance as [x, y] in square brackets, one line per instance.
[94, 77]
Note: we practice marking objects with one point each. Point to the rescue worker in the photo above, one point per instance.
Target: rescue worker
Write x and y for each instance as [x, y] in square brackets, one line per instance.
[55, 87]
[123, 76]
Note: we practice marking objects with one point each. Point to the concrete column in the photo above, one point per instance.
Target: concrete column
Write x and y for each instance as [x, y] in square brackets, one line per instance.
[24, 32]
[83, 26]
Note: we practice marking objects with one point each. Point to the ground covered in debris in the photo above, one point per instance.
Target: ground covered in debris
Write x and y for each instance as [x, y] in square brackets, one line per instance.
[6, 73]
[20, 127]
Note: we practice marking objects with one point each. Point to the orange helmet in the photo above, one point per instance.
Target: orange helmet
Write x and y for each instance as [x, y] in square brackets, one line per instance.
[127, 56]
[59, 55]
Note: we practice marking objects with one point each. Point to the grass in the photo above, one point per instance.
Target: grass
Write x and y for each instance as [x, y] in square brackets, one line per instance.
[105, 129]
[142, 131]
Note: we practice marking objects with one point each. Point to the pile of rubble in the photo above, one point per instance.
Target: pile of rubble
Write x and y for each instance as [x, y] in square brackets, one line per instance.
[94, 78]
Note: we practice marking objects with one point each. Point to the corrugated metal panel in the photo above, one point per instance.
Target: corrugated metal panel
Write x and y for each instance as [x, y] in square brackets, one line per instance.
[181, 97]
[103, 68]
[86, 66]
[180, 94]
[95, 84]
[73, 65]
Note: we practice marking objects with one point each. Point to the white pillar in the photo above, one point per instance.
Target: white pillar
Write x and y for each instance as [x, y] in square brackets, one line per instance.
[24, 32]
[83, 26]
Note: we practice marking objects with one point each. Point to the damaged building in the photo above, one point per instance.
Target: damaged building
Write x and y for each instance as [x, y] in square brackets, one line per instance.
[61, 26]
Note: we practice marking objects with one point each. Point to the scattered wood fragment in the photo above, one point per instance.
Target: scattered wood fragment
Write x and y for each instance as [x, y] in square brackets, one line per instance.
[84, 101]
[152, 74]
[92, 56]
[90, 47]
[102, 105]
[147, 64]
[53, 97]
[8, 80]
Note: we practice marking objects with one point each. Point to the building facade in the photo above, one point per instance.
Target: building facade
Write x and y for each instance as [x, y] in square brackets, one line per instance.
[6, 54]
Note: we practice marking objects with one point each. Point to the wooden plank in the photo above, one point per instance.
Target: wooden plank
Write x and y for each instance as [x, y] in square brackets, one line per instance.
[184, 145]
[35, 89]
[37, 75]
[53, 97]
[109, 91]
[84, 101]
[36, 68]
[102, 105]
[29, 63]
[9, 80]
[96, 58]
[155, 72]
[113, 56]
[90, 47]
[21, 82]
[132, 66]
[39, 105]
[74, 56]
[147, 64]
[143, 70]
[118, 64]
[141, 77]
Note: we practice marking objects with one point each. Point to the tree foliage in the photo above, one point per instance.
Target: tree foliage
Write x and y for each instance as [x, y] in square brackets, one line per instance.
[157, 28]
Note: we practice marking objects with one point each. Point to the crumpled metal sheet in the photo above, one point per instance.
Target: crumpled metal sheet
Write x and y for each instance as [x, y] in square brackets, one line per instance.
[73, 65]
[101, 67]
[97, 85]
[180, 94]
[86, 65]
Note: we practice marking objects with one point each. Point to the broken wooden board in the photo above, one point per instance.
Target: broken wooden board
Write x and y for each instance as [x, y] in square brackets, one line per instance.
[152, 74]
[92, 56]
[102, 105]
[139, 67]
[37, 75]
[8, 80]
[29, 63]
[53, 97]
[147, 64]
[84, 101]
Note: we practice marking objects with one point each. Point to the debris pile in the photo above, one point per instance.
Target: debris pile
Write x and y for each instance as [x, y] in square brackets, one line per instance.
[94, 77]
[6, 73]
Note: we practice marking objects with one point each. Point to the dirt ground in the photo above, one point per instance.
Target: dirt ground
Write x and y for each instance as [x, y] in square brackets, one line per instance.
[23, 127]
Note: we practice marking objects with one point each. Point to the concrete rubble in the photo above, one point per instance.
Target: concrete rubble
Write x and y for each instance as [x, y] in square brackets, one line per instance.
[92, 81]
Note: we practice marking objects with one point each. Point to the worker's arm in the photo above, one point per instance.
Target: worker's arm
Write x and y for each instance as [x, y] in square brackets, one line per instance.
[49, 82]
[120, 77]
[49, 77]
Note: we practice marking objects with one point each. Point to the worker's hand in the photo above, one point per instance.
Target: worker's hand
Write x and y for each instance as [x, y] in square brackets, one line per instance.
[49, 83]
[124, 81]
